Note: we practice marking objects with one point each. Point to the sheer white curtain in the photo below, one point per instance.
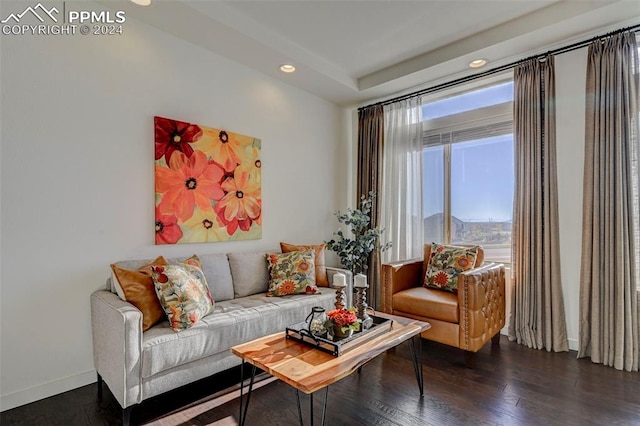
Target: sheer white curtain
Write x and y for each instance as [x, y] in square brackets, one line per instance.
[401, 212]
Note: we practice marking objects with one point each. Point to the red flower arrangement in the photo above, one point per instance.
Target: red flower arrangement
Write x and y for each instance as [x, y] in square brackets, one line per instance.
[344, 318]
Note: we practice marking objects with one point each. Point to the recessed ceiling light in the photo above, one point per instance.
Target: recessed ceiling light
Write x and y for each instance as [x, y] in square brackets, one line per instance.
[142, 2]
[287, 68]
[477, 63]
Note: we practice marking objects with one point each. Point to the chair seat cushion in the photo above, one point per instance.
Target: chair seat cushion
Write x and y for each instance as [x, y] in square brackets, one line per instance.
[428, 303]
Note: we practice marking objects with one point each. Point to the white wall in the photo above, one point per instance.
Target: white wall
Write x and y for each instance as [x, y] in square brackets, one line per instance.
[571, 69]
[77, 178]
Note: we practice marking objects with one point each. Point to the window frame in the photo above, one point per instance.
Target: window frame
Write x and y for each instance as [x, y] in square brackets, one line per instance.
[479, 122]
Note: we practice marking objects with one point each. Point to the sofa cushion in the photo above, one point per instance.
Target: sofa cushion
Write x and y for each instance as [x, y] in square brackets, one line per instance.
[233, 322]
[114, 284]
[139, 263]
[183, 293]
[428, 303]
[194, 260]
[445, 265]
[137, 288]
[216, 270]
[321, 268]
[249, 272]
[292, 273]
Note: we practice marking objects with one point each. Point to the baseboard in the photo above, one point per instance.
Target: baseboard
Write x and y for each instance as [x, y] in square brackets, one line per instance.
[573, 344]
[36, 393]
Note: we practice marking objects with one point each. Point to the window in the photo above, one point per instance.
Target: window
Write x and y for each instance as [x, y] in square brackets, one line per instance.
[468, 173]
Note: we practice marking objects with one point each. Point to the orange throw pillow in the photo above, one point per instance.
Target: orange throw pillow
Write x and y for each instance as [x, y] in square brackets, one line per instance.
[321, 270]
[139, 290]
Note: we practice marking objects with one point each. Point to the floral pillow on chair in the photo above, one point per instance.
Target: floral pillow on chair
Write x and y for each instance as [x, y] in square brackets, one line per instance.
[446, 263]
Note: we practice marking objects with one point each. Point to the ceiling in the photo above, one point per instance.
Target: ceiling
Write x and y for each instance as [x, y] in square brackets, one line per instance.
[353, 52]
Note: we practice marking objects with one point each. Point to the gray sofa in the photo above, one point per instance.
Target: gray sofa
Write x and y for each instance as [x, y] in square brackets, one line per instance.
[137, 365]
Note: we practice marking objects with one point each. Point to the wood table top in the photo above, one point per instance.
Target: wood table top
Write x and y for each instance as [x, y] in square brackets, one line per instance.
[309, 369]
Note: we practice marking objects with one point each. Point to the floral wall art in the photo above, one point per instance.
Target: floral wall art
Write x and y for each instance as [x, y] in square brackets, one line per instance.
[207, 184]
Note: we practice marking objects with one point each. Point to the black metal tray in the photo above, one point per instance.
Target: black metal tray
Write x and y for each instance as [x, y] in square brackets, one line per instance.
[299, 333]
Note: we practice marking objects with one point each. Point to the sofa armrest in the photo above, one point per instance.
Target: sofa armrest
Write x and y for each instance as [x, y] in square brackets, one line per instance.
[398, 276]
[481, 300]
[117, 345]
[348, 290]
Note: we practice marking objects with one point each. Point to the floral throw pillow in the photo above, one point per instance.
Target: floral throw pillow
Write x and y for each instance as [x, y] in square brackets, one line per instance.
[321, 270]
[446, 263]
[193, 261]
[292, 273]
[183, 293]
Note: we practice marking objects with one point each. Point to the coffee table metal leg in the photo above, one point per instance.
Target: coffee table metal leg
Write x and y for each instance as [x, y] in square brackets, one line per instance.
[299, 409]
[416, 354]
[241, 388]
[324, 408]
[311, 408]
[243, 415]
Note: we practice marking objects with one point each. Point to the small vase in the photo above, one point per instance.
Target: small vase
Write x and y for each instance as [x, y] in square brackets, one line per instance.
[338, 334]
[315, 322]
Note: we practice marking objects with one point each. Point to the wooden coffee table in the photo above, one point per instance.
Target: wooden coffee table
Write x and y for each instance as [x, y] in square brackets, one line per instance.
[308, 369]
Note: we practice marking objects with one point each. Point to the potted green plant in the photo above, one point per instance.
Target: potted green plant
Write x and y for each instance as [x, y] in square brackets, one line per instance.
[354, 246]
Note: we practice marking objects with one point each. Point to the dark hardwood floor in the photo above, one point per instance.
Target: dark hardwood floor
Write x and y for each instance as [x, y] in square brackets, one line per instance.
[510, 385]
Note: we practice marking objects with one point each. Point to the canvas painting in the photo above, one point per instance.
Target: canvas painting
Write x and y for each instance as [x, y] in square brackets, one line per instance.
[207, 184]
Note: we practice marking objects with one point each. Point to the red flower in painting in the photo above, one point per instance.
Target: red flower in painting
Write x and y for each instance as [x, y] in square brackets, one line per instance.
[167, 229]
[188, 182]
[172, 135]
[241, 204]
[233, 224]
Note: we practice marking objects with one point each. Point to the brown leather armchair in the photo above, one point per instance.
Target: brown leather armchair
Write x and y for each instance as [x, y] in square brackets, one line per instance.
[466, 320]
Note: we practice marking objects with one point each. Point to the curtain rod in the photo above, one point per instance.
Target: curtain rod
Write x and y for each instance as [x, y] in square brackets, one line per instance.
[496, 70]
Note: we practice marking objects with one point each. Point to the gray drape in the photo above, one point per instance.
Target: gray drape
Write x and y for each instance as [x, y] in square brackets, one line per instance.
[537, 309]
[608, 292]
[369, 178]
